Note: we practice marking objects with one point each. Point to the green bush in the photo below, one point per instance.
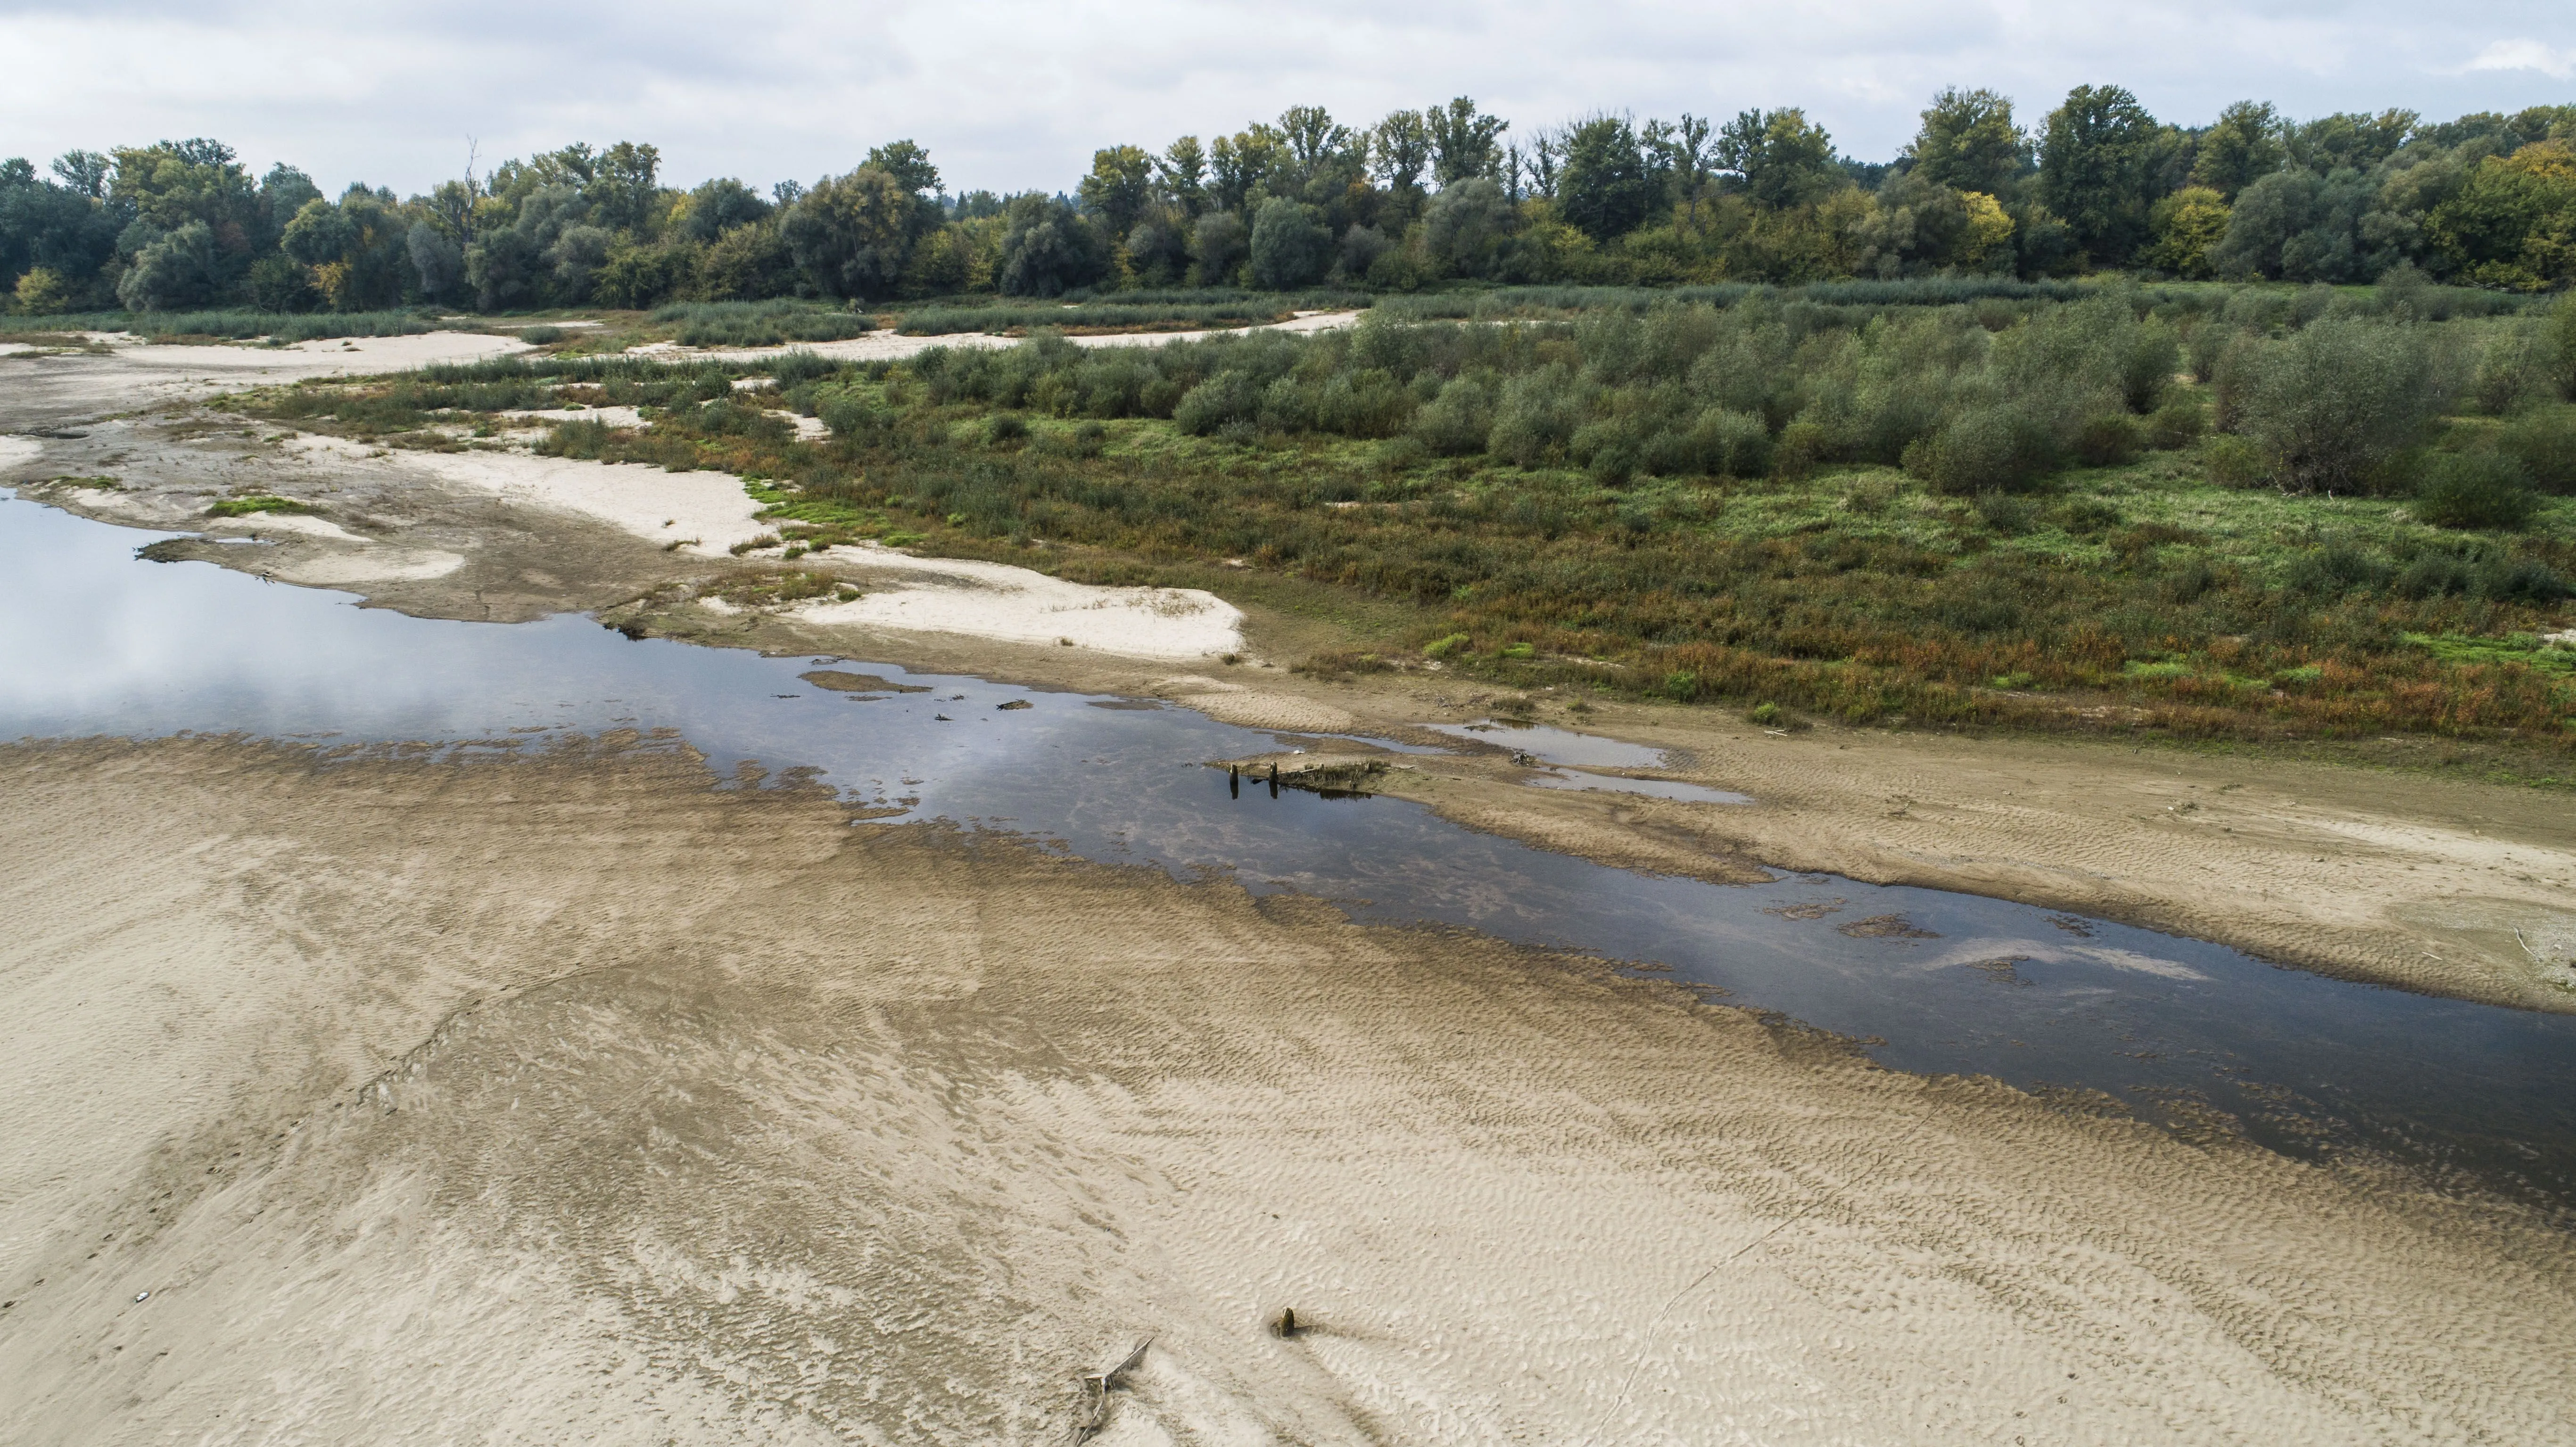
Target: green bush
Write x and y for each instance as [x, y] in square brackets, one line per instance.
[2543, 440]
[2109, 439]
[1458, 420]
[1538, 415]
[760, 323]
[1229, 396]
[2176, 425]
[2473, 490]
[2235, 462]
[2336, 402]
[1985, 449]
[800, 366]
[1290, 245]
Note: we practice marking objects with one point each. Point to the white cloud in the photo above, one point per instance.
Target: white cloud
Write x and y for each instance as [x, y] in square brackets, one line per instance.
[2526, 54]
[1017, 93]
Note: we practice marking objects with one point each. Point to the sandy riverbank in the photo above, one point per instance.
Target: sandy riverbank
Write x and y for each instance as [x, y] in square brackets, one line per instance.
[568, 1099]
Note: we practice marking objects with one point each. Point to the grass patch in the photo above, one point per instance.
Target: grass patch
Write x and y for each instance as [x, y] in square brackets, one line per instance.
[2522, 649]
[234, 507]
[759, 323]
[245, 325]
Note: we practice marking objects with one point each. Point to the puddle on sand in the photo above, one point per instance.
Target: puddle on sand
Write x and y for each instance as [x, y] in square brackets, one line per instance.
[94, 641]
[1652, 788]
[1555, 745]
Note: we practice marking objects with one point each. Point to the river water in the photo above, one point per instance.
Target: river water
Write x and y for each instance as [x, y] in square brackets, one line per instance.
[94, 641]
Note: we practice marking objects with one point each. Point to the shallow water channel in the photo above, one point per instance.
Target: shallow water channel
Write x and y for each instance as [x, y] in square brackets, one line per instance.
[94, 641]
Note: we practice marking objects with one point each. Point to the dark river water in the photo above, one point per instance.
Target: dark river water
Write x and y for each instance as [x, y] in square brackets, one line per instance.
[95, 641]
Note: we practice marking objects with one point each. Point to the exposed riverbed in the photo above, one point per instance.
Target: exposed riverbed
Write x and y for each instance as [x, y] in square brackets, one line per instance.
[100, 642]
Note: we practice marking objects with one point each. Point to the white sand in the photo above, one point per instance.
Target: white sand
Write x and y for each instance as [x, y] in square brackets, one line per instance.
[889, 346]
[269, 524]
[357, 356]
[19, 451]
[1016, 605]
[709, 507]
[375, 565]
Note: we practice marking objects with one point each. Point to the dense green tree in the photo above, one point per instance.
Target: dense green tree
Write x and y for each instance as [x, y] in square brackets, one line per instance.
[2244, 146]
[1181, 172]
[1466, 228]
[85, 173]
[717, 206]
[67, 231]
[435, 258]
[2094, 168]
[2351, 140]
[1605, 191]
[1218, 243]
[1158, 246]
[2513, 223]
[1401, 147]
[177, 269]
[1780, 158]
[853, 235]
[908, 163]
[1049, 249]
[1465, 142]
[2295, 225]
[1119, 187]
[1968, 142]
[2186, 228]
[1252, 160]
[1290, 246]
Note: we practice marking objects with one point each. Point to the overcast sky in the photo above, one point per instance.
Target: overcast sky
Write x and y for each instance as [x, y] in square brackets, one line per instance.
[1010, 96]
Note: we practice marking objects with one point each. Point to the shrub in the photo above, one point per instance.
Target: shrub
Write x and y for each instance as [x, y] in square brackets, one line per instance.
[759, 323]
[851, 417]
[1801, 447]
[2473, 490]
[1229, 396]
[2004, 512]
[2337, 401]
[1006, 427]
[2235, 462]
[1537, 416]
[541, 336]
[1290, 247]
[2110, 439]
[2335, 570]
[1985, 449]
[2544, 442]
[1458, 420]
[2176, 425]
[801, 366]
[1718, 443]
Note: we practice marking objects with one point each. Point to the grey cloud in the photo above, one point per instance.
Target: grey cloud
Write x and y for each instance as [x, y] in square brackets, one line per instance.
[1019, 94]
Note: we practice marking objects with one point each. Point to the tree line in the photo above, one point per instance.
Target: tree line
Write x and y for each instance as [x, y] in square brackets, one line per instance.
[1418, 199]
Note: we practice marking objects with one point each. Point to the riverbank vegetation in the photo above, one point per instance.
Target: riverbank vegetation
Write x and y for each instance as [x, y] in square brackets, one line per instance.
[1418, 201]
[2248, 512]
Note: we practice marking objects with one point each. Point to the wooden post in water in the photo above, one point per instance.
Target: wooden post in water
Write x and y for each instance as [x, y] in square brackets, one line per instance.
[1234, 781]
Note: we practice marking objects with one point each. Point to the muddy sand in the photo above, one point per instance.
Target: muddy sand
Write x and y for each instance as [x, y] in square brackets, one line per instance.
[568, 1099]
